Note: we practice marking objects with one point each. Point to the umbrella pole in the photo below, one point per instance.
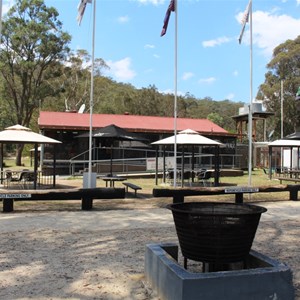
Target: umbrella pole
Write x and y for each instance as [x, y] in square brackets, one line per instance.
[1, 163]
[111, 158]
[35, 165]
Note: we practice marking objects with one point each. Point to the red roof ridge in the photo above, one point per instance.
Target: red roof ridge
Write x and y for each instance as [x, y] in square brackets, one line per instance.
[78, 121]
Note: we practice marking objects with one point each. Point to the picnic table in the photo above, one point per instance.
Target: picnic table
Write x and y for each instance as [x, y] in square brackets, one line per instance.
[112, 179]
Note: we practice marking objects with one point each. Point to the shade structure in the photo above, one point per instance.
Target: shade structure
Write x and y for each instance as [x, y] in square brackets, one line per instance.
[192, 137]
[188, 137]
[283, 143]
[19, 134]
[113, 133]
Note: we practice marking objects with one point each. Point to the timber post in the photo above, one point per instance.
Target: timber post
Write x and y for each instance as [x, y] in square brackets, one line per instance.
[8, 205]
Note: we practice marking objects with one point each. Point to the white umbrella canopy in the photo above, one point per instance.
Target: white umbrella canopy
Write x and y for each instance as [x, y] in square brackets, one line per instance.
[188, 137]
[285, 143]
[20, 134]
[192, 137]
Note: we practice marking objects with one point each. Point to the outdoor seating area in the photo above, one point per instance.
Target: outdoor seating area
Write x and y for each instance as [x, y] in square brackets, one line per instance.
[24, 179]
[111, 179]
[198, 177]
[287, 174]
[18, 178]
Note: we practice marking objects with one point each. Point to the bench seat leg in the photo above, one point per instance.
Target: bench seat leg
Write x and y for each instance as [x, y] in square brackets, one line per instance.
[87, 203]
[8, 205]
[239, 198]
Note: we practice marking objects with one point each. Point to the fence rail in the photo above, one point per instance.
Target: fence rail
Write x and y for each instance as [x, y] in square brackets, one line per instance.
[135, 160]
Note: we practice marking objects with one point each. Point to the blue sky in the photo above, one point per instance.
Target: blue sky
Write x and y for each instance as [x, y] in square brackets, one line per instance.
[210, 61]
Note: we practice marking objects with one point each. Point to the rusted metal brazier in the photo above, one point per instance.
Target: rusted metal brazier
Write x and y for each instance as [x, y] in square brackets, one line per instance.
[217, 233]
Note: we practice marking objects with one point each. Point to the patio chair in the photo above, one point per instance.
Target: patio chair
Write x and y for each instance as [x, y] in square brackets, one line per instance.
[19, 180]
[204, 177]
[26, 178]
[170, 175]
[10, 179]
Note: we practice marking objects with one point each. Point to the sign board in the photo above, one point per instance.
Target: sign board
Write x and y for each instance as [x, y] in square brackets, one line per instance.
[14, 196]
[151, 162]
[241, 189]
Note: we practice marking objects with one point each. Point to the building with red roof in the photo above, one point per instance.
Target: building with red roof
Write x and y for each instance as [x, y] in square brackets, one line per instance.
[49, 121]
[66, 127]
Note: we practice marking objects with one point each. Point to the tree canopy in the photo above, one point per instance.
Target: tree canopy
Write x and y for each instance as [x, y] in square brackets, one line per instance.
[32, 46]
[281, 82]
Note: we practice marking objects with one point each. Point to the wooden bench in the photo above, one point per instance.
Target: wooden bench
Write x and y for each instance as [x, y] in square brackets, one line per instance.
[85, 195]
[178, 194]
[287, 179]
[132, 186]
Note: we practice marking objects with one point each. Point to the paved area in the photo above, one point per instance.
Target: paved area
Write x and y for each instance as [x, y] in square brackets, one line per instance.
[121, 219]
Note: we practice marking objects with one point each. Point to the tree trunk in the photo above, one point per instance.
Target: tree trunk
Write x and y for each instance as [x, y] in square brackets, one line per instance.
[19, 151]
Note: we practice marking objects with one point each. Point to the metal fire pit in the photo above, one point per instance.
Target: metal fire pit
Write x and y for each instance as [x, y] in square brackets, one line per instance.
[218, 233]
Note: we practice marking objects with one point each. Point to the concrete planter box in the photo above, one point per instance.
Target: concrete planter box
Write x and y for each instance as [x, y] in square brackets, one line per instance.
[264, 278]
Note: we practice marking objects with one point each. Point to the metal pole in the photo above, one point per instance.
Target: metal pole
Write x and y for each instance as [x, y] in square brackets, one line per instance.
[91, 99]
[281, 109]
[281, 121]
[250, 105]
[175, 96]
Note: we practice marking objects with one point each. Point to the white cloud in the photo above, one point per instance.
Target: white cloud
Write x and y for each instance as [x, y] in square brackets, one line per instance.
[156, 56]
[298, 2]
[187, 75]
[155, 2]
[123, 19]
[208, 80]
[270, 30]
[230, 96]
[171, 92]
[148, 46]
[121, 69]
[216, 42]
[235, 73]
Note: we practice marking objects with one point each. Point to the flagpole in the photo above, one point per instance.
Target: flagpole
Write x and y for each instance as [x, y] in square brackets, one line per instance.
[251, 97]
[92, 98]
[175, 94]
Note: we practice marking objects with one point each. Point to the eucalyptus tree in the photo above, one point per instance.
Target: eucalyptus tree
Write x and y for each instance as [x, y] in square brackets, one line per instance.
[32, 46]
[283, 76]
[76, 79]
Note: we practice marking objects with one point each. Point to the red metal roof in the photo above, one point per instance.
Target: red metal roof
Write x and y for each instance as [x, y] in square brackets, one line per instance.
[76, 121]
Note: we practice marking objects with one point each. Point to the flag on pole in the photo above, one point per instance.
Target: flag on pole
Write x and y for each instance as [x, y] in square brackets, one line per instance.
[81, 9]
[167, 17]
[245, 20]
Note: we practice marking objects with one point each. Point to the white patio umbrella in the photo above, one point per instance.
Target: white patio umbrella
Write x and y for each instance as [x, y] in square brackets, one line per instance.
[192, 137]
[19, 134]
[285, 143]
[188, 137]
[282, 143]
